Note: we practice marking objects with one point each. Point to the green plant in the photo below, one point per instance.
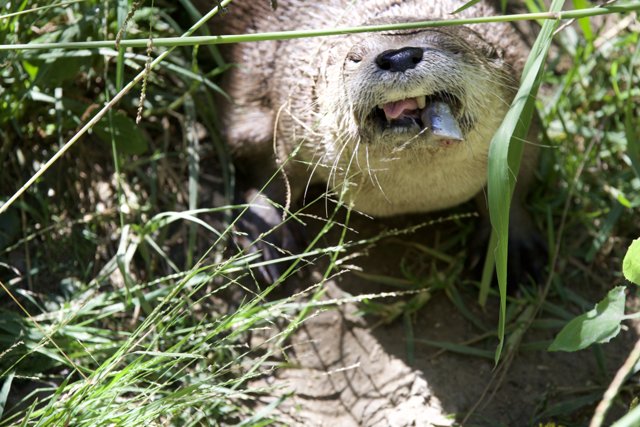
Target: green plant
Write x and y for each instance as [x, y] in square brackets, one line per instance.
[132, 313]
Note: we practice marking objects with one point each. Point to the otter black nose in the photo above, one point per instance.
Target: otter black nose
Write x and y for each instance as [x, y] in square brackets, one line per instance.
[399, 60]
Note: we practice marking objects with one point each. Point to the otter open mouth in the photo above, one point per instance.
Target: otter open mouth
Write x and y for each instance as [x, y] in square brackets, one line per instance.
[435, 114]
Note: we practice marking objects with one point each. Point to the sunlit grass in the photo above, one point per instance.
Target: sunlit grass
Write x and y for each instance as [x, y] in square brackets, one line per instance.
[136, 311]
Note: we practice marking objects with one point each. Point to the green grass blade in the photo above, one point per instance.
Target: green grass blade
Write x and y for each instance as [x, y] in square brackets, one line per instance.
[4, 392]
[457, 300]
[504, 158]
[465, 6]
[457, 348]
[584, 23]
[631, 122]
[193, 150]
[288, 35]
[98, 116]
[122, 9]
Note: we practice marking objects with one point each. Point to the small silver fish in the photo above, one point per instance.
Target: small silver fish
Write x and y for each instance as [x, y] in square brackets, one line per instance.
[438, 119]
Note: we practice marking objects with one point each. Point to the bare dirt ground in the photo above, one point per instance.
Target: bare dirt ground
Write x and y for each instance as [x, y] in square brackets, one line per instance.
[348, 371]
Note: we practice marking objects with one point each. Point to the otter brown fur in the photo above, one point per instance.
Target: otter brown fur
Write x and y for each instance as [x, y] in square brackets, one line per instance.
[353, 107]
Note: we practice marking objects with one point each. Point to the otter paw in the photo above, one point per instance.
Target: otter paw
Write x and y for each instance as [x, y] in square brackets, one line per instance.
[528, 255]
[260, 229]
[526, 259]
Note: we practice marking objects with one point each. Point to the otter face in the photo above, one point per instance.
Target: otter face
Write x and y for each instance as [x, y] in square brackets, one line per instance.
[429, 87]
[401, 121]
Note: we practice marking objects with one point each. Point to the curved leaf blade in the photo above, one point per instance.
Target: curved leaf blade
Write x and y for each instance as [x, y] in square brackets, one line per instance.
[505, 154]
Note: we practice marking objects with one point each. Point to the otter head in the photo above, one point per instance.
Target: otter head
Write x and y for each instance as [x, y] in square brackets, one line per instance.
[433, 87]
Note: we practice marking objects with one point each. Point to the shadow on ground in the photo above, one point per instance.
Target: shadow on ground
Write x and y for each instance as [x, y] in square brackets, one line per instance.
[352, 371]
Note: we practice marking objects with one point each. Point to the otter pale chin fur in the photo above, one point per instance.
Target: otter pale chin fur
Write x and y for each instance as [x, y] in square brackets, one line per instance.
[398, 121]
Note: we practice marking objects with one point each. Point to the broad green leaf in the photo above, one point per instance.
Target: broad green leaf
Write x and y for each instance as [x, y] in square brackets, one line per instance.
[52, 73]
[129, 139]
[596, 326]
[631, 263]
[504, 159]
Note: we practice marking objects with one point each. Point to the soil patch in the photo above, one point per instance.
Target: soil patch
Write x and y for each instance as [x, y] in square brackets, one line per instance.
[351, 371]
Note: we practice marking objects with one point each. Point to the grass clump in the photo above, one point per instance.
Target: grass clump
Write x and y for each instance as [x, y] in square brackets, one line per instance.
[113, 313]
[122, 303]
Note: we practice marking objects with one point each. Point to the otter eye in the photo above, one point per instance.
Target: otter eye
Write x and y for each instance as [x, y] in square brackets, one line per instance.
[354, 57]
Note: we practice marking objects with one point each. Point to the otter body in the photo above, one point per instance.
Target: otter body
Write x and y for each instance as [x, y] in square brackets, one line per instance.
[397, 122]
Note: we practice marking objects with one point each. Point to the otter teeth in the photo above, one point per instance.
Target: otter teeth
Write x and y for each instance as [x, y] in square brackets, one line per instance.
[395, 109]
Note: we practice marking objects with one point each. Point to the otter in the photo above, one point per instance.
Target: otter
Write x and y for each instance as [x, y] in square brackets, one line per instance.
[397, 122]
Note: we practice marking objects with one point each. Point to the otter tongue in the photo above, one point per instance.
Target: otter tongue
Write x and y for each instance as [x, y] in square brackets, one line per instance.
[393, 110]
